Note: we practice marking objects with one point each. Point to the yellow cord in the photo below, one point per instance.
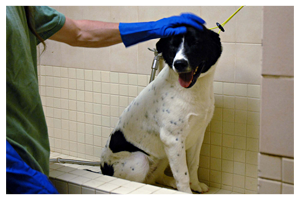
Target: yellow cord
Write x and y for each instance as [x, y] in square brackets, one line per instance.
[223, 24]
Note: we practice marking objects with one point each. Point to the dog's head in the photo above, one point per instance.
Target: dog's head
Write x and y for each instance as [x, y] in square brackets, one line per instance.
[190, 54]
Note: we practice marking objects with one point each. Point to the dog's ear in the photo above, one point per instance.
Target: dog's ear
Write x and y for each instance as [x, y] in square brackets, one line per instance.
[161, 45]
[215, 37]
[215, 47]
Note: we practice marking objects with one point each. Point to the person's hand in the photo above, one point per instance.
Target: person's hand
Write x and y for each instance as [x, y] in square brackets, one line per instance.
[176, 25]
[133, 33]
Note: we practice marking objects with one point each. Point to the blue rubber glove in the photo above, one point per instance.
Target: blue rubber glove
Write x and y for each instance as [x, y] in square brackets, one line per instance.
[133, 33]
[21, 179]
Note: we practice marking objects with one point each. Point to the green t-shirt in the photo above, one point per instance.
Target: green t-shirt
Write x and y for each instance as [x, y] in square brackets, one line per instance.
[26, 128]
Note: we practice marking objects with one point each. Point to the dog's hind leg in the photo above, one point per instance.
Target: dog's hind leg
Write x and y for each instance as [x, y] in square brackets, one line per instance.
[157, 174]
[167, 181]
[131, 166]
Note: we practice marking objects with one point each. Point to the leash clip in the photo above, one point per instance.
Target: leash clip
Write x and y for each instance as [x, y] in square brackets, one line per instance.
[220, 27]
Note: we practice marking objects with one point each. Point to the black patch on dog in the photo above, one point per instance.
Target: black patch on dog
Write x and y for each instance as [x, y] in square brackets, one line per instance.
[119, 143]
[107, 169]
[202, 49]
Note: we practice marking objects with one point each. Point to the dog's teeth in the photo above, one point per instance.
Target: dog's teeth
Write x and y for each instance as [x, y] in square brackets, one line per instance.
[196, 70]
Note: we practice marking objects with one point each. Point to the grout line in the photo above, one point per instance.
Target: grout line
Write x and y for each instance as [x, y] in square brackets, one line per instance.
[276, 76]
[270, 154]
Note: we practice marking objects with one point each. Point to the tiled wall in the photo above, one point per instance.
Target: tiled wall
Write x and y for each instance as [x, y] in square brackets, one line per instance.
[276, 157]
[85, 90]
[228, 157]
[83, 106]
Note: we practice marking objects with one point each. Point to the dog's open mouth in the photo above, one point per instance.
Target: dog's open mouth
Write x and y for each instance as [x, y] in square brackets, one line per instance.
[187, 80]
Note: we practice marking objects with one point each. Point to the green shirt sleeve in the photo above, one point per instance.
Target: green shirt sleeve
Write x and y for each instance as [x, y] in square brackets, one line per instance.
[47, 21]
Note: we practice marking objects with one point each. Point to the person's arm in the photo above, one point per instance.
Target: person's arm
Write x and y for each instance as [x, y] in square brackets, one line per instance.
[87, 33]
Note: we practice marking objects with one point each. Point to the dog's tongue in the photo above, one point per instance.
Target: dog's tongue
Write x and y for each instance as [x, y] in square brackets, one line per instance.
[185, 79]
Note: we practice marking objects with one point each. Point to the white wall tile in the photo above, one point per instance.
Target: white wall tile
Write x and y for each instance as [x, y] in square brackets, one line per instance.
[88, 96]
[79, 73]
[123, 90]
[269, 187]
[229, 88]
[251, 170]
[64, 82]
[228, 102]
[269, 166]
[114, 77]
[239, 168]
[72, 73]
[132, 79]
[225, 68]
[80, 95]
[239, 155]
[277, 125]
[88, 85]
[218, 87]
[96, 75]
[61, 186]
[88, 74]
[74, 189]
[105, 88]
[288, 170]
[254, 91]
[97, 97]
[241, 103]
[248, 63]
[87, 190]
[287, 188]
[241, 89]
[251, 184]
[97, 86]
[88, 107]
[97, 120]
[64, 72]
[114, 89]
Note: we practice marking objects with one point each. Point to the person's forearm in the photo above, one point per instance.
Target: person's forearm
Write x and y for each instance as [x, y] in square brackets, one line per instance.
[97, 34]
[87, 33]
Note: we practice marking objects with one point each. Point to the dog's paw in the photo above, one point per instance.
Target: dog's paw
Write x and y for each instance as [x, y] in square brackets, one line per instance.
[199, 187]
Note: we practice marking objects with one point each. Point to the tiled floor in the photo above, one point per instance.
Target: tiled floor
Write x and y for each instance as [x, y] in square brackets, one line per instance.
[75, 179]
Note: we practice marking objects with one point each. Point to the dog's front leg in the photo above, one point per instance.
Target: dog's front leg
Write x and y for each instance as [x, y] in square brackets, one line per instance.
[175, 150]
[193, 158]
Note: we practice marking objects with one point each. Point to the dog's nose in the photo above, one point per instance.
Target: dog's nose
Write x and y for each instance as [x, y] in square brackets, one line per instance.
[180, 65]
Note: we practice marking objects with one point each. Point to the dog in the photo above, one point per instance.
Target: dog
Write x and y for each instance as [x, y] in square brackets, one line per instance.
[165, 124]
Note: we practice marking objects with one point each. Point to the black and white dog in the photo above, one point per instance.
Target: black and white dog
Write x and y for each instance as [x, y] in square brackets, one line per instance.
[166, 122]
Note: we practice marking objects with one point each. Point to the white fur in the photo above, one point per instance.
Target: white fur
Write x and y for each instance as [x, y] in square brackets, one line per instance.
[180, 55]
[168, 122]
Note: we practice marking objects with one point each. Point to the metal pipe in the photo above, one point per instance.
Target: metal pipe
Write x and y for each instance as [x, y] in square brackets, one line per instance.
[70, 161]
[155, 63]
